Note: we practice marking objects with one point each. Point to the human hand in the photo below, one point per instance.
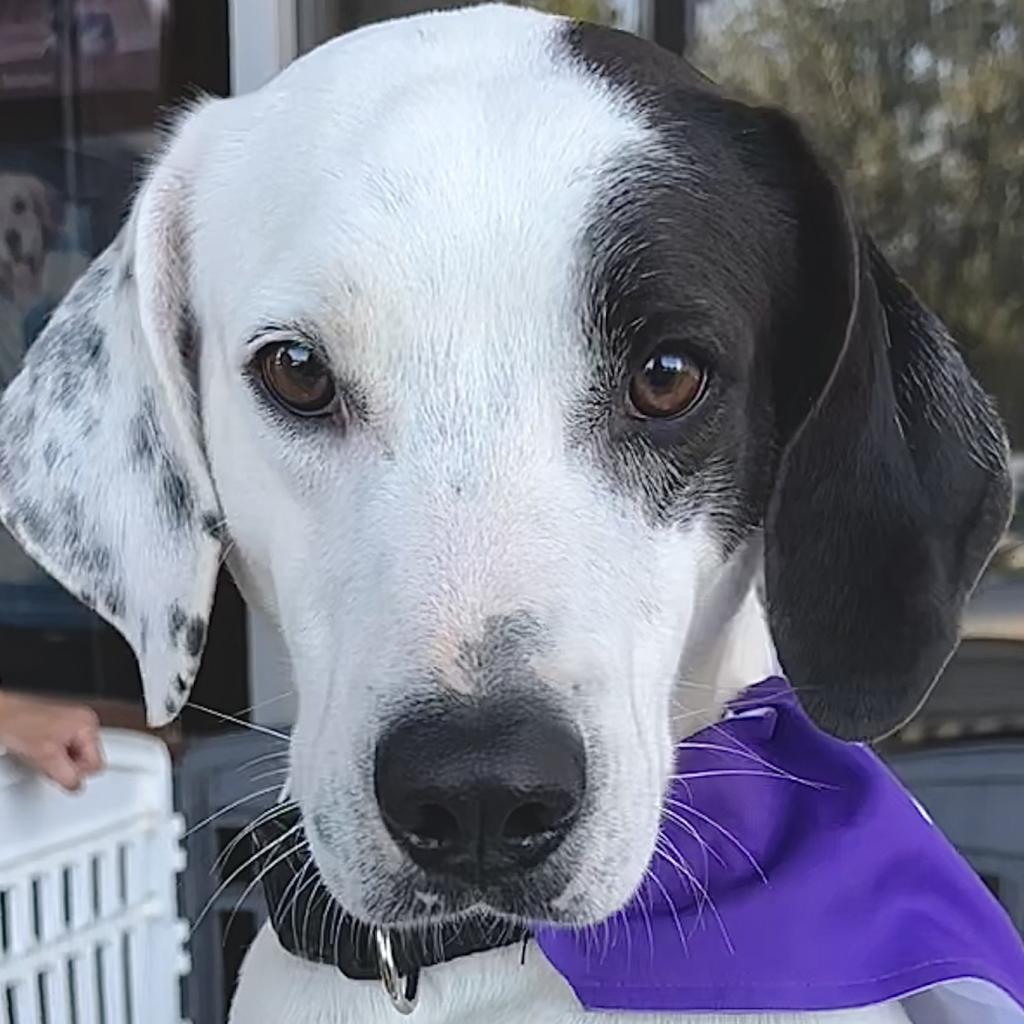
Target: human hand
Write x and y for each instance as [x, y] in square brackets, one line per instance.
[62, 741]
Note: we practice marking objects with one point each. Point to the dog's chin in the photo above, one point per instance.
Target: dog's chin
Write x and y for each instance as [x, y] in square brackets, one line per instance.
[412, 900]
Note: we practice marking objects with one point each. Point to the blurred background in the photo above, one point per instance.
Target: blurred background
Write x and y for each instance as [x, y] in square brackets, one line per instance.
[919, 104]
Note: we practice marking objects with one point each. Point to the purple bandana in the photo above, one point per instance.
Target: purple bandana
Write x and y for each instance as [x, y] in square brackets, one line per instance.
[796, 873]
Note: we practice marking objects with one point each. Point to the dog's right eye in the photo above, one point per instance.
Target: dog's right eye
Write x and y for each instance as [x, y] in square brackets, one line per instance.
[297, 377]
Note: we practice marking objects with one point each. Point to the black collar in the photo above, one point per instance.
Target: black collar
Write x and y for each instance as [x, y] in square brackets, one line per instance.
[311, 925]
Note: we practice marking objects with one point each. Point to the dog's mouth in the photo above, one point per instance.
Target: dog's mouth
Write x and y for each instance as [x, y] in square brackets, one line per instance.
[300, 897]
[417, 901]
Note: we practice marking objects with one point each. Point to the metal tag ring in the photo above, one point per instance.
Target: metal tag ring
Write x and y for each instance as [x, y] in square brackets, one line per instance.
[401, 992]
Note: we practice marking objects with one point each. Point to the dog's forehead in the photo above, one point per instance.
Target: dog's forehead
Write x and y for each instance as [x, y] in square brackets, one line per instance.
[409, 166]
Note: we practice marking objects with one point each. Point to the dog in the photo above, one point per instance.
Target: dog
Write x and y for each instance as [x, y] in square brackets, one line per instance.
[33, 273]
[546, 398]
[30, 216]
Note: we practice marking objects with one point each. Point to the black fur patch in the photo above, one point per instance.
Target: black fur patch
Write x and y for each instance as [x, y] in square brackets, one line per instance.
[67, 388]
[95, 351]
[22, 425]
[177, 500]
[500, 659]
[176, 620]
[36, 525]
[144, 434]
[114, 600]
[877, 468]
[195, 636]
[214, 525]
[51, 453]
[666, 264]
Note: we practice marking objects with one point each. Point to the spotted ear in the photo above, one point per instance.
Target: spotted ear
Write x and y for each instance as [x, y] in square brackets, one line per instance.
[103, 477]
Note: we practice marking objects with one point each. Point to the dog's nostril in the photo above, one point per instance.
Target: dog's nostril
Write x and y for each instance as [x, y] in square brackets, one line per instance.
[533, 821]
[434, 828]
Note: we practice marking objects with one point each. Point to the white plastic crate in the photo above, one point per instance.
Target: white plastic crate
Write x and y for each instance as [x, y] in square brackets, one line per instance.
[89, 931]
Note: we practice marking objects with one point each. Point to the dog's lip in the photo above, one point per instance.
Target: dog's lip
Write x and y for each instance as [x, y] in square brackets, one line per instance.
[428, 904]
[499, 905]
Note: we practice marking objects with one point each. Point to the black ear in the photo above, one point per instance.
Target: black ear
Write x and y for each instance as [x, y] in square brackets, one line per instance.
[893, 486]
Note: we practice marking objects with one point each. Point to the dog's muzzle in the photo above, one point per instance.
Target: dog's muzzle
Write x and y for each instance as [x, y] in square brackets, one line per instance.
[311, 925]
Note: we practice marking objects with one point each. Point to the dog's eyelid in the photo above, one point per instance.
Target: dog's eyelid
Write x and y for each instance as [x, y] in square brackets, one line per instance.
[271, 334]
[703, 352]
[696, 328]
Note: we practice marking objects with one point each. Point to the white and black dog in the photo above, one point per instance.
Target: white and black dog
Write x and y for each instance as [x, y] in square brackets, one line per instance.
[543, 396]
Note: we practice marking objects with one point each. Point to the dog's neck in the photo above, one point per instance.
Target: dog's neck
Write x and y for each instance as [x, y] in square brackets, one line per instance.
[745, 653]
[728, 646]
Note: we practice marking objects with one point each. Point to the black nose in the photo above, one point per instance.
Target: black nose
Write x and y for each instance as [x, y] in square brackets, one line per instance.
[13, 240]
[479, 791]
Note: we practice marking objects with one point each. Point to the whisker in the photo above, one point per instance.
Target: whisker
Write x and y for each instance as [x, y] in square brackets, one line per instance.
[645, 913]
[711, 709]
[265, 703]
[293, 884]
[261, 819]
[686, 873]
[227, 808]
[324, 896]
[234, 874]
[252, 762]
[686, 808]
[796, 778]
[724, 772]
[688, 826]
[314, 881]
[238, 721]
[259, 878]
[743, 752]
[672, 909]
[722, 748]
[678, 861]
[629, 937]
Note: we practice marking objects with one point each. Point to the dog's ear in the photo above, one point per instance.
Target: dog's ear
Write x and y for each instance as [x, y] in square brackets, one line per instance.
[103, 476]
[893, 486]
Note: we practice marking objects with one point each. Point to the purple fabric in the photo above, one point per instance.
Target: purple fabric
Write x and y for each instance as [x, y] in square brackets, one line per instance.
[816, 883]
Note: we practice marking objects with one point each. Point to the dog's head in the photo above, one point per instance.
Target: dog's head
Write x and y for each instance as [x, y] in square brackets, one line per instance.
[507, 353]
[29, 218]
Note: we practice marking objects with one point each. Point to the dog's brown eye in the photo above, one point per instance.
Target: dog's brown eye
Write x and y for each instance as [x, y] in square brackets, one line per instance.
[297, 377]
[669, 384]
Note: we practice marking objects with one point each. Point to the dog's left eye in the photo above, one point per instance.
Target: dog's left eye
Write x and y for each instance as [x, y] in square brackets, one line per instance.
[297, 377]
[670, 383]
